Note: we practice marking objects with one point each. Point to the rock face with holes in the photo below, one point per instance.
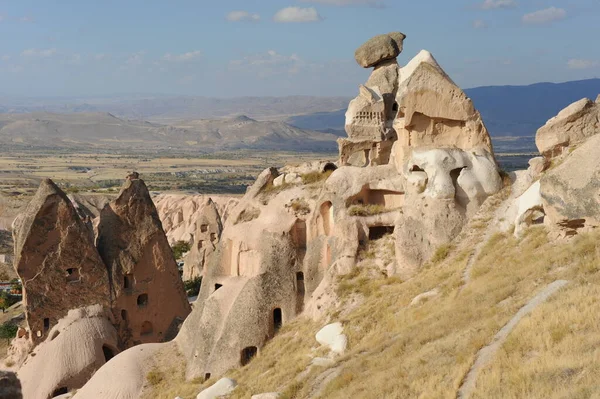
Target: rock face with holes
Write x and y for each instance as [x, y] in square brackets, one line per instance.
[571, 191]
[56, 260]
[77, 346]
[146, 292]
[572, 126]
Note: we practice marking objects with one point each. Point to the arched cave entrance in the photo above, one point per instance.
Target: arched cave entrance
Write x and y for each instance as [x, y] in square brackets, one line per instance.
[142, 300]
[248, 354]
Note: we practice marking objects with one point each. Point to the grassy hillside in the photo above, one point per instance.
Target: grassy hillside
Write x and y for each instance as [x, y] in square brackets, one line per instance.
[399, 350]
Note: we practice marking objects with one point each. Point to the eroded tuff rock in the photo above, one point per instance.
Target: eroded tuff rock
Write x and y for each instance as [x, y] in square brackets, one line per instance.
[570, 127]
[146, 292]
[379, 48]
[571, 191]
[56, 260]
[76, 347]
[197, 220]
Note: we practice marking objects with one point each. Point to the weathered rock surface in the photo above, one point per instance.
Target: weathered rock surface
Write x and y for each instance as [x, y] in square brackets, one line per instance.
[570, 127]
[571, 190]
[379, 48]
[75, 348]
[146, 292]
[123, 377]
[56, 260]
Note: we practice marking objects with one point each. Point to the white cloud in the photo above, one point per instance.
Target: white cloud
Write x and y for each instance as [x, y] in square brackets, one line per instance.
[32, 52]
[182, 57]
[496, 4]
[270, 63]
[545, 16]
[236, 16]
[135, 58]
[297, 14]
[5, 57]
[576, 63]
[479, 24]
[370, 3]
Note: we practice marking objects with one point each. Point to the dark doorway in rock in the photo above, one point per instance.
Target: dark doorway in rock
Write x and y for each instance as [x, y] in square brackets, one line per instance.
[200, 244]
[248, 354]
[108, 353]
[128, 281]
[277, 319]
[416, 168]
[217, 286]
[206, 376]
[146, 328]
[299, 292]
[142, 300]
[203, 228]
[60, 391]
[46, 324]
[124, 314]
[377, 232]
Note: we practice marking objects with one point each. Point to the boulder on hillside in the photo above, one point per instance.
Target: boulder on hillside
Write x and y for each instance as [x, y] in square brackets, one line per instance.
[379, 48]
[573, 125]
[147, 294]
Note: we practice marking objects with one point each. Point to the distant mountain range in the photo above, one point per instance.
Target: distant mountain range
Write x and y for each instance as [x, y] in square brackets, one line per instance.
[202, 124]
[104, 131]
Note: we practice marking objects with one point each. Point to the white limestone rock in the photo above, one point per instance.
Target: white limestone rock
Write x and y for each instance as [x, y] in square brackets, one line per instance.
[222, 387]
[331, 335]
[269, 395]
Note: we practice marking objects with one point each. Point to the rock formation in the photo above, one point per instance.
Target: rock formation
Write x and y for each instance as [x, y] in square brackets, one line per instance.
[146, 292]
[76, 347]
[197, 220]
[56, 260]
[570, 127]
[416, 166]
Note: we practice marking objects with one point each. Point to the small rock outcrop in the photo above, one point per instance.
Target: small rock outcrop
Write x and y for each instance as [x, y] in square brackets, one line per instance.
[57, 261]
[146, 292]
[570, 127]
[219, 389]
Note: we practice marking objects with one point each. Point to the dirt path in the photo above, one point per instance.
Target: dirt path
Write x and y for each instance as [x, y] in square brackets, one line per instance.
[486, 354]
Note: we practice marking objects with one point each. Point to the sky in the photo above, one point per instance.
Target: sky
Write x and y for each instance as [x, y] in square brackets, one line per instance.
[230, 48]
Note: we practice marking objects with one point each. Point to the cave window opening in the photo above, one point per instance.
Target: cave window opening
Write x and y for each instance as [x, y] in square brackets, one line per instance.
[46, 324]
[60, 391]
[142, 300]
[124, 314]
[248, 354]
[377, 232]
[277, 319]
[200, 244]
[217, 286]
[127, 281]
[146, 328]
[72, 274]
[416, 168]
[108, 353]
[206, 376]
[203, 228]
[329, 167]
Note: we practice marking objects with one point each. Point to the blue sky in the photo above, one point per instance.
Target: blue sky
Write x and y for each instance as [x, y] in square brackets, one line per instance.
[229, 48]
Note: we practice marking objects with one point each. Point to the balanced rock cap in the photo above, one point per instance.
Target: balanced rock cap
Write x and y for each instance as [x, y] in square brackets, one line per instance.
[380, 48]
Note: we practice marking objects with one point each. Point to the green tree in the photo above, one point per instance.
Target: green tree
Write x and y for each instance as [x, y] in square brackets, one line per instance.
[8, 331]
[180, 248]
[192, 287]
